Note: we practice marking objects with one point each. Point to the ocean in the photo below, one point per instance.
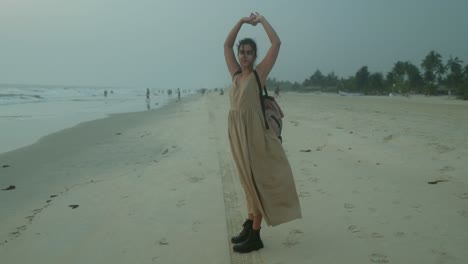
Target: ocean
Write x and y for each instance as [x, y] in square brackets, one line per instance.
[28, 112]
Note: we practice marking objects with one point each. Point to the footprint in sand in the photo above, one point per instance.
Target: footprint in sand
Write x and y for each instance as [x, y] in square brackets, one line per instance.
[399, 234]
[295, 123]
[304, 194]
[348, 206]
[319, 148]
[407, 217]
[463, 213]
[376, 235]
[388, 138]
[447, 169]
[163, 242]
[379, 258]
[295, 232]
[417, 208]
[321, 191]
[195, 226]
[442, 256]
[293, 238]
[180, 203]
[165, 152]
[306, 171]
[314, 180]
[353, 229]
[462, 195]
[145, 134]
[290, 242]
[441, 149]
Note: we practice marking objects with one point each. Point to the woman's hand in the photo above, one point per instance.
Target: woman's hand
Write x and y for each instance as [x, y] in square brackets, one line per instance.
[256, 18]
[247, 20]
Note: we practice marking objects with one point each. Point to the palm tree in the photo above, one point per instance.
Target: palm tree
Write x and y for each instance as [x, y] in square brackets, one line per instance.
[376, 82]
[362, 78]
[415, 80]
[433, 68]
[465, 72]
[455, 75]
[399, 71]
[315, 79]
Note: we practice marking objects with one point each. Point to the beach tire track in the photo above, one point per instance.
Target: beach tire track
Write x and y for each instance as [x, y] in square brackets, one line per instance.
[235, 209]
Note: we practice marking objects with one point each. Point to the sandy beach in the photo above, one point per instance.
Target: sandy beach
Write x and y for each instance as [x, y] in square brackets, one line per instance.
[380, 180]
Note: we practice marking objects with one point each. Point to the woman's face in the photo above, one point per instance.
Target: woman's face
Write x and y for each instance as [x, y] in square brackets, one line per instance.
[246, 56]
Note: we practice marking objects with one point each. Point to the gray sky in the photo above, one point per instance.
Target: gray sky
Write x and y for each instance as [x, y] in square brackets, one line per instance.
[175, 43]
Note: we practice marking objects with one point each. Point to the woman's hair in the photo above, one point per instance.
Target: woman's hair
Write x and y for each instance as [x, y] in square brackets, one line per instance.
[247, 41]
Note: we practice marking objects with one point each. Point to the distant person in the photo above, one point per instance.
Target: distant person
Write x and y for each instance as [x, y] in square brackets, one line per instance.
[147, 94]
[263, 168]
[277, 91]
[178, 95]
[105, 93]
[148, 104]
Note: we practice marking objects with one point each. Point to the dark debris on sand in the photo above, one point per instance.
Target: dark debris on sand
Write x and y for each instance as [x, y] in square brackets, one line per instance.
[11, 187]
[437, 181]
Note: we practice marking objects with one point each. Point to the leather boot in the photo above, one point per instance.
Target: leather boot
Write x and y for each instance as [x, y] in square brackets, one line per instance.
[253, 242]
[244, 233]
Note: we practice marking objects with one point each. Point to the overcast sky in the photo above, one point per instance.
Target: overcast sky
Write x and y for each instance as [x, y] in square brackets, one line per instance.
[175, 43]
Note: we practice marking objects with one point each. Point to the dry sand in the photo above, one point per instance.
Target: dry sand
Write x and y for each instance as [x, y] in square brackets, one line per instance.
[160, 186]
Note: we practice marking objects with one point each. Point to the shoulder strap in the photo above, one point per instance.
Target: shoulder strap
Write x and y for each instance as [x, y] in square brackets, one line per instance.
[259, 83]
[261, 97]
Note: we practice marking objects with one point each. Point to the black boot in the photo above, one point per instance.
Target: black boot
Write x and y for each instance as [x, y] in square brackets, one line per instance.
[253, 242]
[244, 233]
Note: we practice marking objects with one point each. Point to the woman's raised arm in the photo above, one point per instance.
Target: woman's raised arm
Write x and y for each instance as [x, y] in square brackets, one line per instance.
[229, 54]
[265, 66]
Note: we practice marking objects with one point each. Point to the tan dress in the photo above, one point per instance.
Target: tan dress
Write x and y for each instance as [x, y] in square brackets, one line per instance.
[264, 170]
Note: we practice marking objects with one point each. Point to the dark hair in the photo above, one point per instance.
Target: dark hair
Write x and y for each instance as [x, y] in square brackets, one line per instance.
[247, 41]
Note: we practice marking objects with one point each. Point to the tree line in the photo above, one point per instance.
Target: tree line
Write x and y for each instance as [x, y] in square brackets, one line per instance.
[433, 78]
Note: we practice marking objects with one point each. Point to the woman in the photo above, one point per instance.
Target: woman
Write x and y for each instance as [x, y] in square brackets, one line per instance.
[264, 170]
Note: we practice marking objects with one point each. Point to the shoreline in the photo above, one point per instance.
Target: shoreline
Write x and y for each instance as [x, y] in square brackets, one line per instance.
[25, 124]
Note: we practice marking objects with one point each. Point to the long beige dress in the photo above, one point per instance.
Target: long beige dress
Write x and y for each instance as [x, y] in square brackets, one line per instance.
[264, 170]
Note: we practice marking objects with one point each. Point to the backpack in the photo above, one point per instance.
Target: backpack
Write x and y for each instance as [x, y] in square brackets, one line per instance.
[271, 110]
